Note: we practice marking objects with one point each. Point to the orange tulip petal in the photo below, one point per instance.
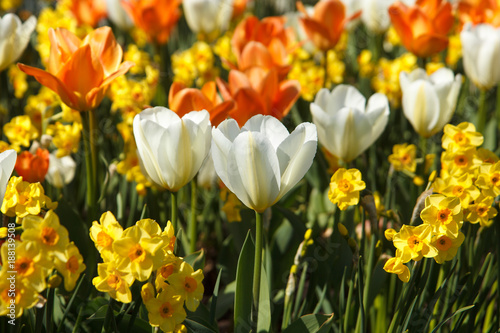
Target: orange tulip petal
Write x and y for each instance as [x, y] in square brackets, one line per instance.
[255, 54]
[248, 104]
[62, 45]
[430, 44]
[398, 14]
[286, 96]
[220, 112]
[104, 47]
[189, 99]
[331, 14]
[175, 88]
[238, 80]
[443, 21]
[209, 89]
[53, 83]
[317, 33]
[224, 89]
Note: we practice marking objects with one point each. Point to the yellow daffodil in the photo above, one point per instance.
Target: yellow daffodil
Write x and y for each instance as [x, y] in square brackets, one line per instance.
[414, 243]
[168, 236]
[147, 292]
[31, 266]
[49, 236]
[41, 106]
[345, 186]
[104, 233]
[188, 283]
[165, 310]
[23, 198]
[444, 214]
[486, 156]
[70, 265]
[20, 131]
[66, 138]
[24, 297]
[232, 205]
[489, 179]
[461, 137]
[447, 246]
[482, 211]
[18, 79]
[395, 265]
[138, 252]
[171, 265]
[459, 162]
[461, 187]
[114, 282]
[403, 157]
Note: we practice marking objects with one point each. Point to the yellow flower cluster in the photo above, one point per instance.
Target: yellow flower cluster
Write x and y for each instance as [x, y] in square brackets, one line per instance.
[137, 253]
[223, 49]
[18, 80]
[44, 246]
[20, 132]
[66, 138]
[454, 50]
[438, 237]
[386, 76]
[403, 157]
[469, 173]
[23, 198]
[309, 70]
[41, 106]
[345, 186]
[195, 66]
[232, 205]
[6, 5]
[61, 17]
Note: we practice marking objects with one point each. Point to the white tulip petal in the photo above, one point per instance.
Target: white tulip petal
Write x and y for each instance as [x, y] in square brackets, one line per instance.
[356, 134]
[61, 170]
[421, 107]
[295, 155]
[322, 98]
[253, 168]
[345, 95]
[7, 162]
[271, 127]
[324, 124]
[378, 114]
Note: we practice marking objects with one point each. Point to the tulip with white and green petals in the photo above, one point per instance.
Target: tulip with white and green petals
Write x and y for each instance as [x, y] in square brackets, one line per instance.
[208, 16]
[14, 37]
[7, 162]
[347, 126]
[429, 100]
[61, 170]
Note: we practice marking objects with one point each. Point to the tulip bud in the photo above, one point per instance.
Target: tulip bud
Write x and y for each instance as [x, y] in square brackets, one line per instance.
[14, 38]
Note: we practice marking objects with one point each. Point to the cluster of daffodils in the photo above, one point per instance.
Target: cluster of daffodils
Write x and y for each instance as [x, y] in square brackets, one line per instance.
[438, 237]
[469, 173]
[345, 186]
[144, 252]
[468, 184]
[195, 66]
[36, 261]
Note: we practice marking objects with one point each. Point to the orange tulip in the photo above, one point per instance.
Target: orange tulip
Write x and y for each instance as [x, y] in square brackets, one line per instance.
[423, 28]
[183, 100]
[33, 168]
[258, 91]
[479, 11]
[156, 17]
[263, 43]
[88, 11]
[81, 71]
[326, 25]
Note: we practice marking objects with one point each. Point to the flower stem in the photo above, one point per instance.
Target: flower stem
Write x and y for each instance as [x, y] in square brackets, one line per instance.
[173, 196]
[325, 76]
[89, 127]
[481, 117]
[257, 264]
[498, 107]
[192, 224]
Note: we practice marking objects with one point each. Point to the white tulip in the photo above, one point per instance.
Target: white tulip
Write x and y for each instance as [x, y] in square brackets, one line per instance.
[61, 170]
[7, 162]
[262, 161]
[207, 16]
[429, 101]
[375, 15]
[14, 37]
[118, 15]
[346, 125]
[172, 149]
[481, 52]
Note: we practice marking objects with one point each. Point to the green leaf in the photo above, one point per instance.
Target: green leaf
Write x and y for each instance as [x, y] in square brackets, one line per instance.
[213, 305]
[244, 282]
[196, 327]
[466, 308]
[264, 319]
[196, 259]
[311, 324]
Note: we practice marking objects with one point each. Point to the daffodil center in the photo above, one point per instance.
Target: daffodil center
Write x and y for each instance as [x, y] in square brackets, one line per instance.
[443, 243]
[345, 186]
[49, 236]
[495, 179]
[114, 281]
[444, 215]
[405, 159]
[460, 139]
[461, 161]
[166, 310]
[458, 191]
[415, 243]
[190, 284]
[103, 239]
[72, 264]
[482, 210]
[137, 253]
[25, 266]
[166, 270]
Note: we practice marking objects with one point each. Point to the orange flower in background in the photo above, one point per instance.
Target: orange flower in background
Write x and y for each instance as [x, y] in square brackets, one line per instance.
[183, 100]
[88, 11]
[479, 11]
[423, 28]
[264, 43]
[156, 17]
[33, 168]
[326, 25]
[81, 71]
[258, 91]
